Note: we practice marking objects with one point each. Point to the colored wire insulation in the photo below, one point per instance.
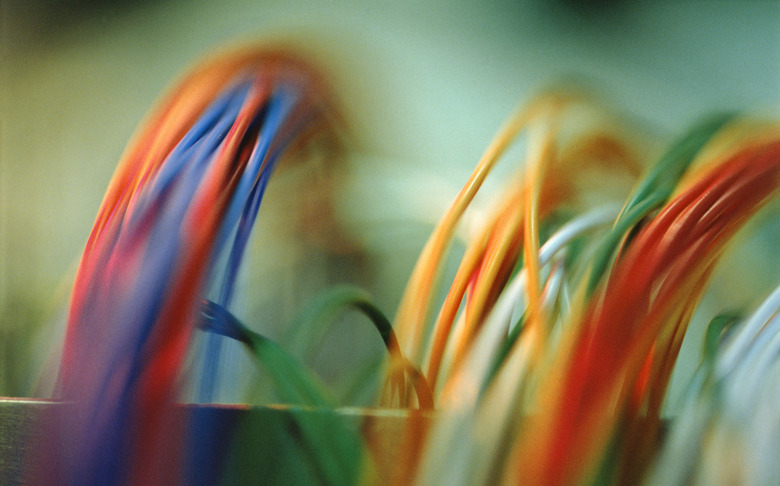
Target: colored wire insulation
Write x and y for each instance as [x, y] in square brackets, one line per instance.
[186, 190]
[414, 307]
[550, 355]
[653, 279]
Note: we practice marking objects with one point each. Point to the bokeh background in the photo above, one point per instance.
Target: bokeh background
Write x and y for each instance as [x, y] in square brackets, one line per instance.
[424, 87]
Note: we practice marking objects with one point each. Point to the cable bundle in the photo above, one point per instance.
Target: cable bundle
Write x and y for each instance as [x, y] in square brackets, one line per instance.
[571, 391]
[548, 359]
[184, 196]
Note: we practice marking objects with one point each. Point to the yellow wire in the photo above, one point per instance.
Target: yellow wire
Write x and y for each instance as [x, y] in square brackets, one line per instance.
[490, 248]
[415, 303]
[538, 163]
[492, 262]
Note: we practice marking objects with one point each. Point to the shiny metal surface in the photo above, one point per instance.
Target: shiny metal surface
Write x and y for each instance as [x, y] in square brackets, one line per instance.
[270, 434]
[17, 416]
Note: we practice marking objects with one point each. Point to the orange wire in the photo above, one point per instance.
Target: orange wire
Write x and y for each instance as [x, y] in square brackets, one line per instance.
[414, 307]
[678, 246]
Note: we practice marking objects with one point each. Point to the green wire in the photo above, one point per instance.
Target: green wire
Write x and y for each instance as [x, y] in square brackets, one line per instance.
[718, 326]
[654, 190]
[312, 323]
[503, 353]
[337, 451]
[296, 384]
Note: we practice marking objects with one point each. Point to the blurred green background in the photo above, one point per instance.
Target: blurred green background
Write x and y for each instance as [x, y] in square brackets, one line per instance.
[425, 85]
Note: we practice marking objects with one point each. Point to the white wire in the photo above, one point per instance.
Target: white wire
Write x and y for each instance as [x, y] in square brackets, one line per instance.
[465, 385]
[514, 293]
[739, 412]
[740, 343]
[744, 383]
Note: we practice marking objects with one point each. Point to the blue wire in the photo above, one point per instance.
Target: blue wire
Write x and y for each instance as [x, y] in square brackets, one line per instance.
[150, 243]
[246, 199]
